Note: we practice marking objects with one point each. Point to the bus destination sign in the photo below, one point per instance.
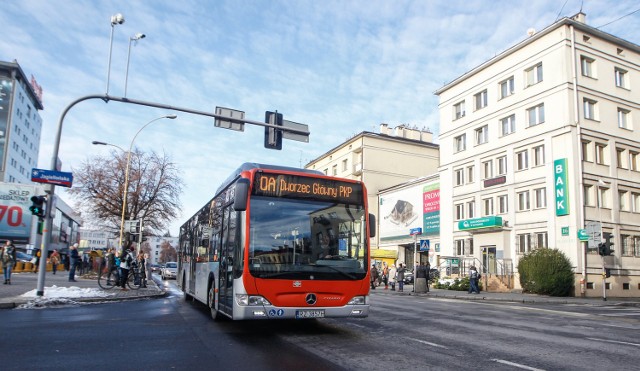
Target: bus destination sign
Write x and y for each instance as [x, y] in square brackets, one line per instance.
[295, 186]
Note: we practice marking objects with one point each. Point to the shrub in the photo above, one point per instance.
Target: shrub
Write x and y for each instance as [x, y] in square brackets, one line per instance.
[457, 284]
[546, 272]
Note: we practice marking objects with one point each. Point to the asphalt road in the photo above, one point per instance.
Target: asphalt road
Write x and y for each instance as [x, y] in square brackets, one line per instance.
[403, 332]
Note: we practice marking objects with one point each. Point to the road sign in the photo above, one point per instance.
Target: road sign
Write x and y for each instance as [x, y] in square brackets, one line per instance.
[424, 245]
[52, 177]
[594, 231]
[228, 124]
[415, 231]
[295, 136]
[583, 235]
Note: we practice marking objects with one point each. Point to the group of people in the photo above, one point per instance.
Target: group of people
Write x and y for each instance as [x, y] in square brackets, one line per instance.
[120, 266]
[389, 276]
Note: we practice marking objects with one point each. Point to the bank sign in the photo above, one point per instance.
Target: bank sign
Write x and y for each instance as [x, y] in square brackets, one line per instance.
[560, 186]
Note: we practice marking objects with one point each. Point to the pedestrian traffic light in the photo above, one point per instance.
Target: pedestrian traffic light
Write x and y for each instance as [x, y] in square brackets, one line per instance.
[607, 273]
[273, 136]
[608, 237]
[37, 206]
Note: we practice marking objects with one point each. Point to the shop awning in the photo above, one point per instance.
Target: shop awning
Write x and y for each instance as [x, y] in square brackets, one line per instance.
[384, 254]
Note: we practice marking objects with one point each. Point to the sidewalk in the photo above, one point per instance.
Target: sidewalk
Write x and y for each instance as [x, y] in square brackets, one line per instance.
[513, 297]
[21, 283]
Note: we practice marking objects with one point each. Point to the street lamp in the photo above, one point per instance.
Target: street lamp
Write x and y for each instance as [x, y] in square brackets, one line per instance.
[126, 172]
[115, 19]
[136, 37]
[98, 143]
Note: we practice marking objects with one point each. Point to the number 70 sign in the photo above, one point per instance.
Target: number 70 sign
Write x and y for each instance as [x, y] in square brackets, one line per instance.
[15, 218]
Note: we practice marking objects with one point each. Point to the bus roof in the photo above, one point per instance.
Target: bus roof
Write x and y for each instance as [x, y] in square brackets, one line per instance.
[252, 165]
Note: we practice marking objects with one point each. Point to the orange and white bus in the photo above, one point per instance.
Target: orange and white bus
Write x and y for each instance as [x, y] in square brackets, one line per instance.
[277, 243]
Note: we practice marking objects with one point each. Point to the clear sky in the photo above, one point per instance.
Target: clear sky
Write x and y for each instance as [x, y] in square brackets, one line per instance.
[342, 67]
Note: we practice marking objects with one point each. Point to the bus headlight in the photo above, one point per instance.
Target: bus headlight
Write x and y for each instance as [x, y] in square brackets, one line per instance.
[358, 300]
[251, 300]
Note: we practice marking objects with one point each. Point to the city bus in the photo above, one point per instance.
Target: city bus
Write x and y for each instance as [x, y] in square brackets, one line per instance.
[279, 243]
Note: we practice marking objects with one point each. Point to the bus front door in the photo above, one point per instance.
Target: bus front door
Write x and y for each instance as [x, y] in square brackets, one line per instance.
[225, 293]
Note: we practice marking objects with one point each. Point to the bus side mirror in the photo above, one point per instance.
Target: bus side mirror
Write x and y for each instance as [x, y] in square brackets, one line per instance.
[372, 225]
[242, 195]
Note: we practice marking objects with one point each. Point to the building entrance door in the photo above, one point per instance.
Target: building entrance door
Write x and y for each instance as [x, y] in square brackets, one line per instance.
[489, 259]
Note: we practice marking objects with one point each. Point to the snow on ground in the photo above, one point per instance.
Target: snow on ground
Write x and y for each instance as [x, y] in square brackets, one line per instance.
[68, 292]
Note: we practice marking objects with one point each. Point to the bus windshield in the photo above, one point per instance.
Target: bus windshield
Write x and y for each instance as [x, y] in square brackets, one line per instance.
[306, 239]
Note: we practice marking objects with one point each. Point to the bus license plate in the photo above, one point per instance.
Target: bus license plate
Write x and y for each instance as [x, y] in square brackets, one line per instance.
[308, 313]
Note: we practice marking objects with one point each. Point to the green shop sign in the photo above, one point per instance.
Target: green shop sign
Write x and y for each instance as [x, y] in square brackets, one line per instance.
[560, 185]
[477, 223]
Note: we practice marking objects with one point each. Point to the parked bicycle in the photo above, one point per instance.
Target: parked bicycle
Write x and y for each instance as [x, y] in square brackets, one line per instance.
[110, 278]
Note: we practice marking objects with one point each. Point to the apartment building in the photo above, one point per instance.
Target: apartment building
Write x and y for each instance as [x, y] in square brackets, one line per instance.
[540, 142]
[381, 160]
[20, 123]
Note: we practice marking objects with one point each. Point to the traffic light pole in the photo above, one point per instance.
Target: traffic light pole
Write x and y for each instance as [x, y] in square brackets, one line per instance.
[604, 281]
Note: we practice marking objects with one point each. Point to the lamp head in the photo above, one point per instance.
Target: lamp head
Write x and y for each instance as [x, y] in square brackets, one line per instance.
[95, 142]
[138, 36]
[171, 116]
[117, 19]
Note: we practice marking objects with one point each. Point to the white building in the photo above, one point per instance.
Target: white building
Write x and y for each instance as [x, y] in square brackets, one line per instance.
[155, 243]
[538, 142]
[20, 123]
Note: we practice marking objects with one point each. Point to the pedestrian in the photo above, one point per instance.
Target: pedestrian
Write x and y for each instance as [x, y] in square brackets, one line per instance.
[392, 277]
[8, 254]
[474, 277]
[385, 275]
[74, 260]
[112, 268]
[55, 260]
[428, 269]
[400, 274]
[37, 254]
[141, 264]
[374, 276]
[126, 262]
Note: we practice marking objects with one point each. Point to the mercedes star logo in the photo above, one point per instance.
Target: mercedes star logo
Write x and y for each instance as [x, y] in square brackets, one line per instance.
[311, 299]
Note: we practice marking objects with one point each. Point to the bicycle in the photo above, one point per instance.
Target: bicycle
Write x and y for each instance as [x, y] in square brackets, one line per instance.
[110, 278]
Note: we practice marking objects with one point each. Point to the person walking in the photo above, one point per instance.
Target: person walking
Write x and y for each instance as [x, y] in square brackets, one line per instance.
[74, 260]
[55, 260]
[37, 254]
[385, 275]
[141, 264]
[474, 277]
[374, 276]
[8, 254]
[400, 274]
[126, 261]
[392, 277]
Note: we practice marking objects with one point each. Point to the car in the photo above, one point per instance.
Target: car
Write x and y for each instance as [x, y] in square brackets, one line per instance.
[23, 257]
[156, 268]
[169, 270]
[408, 278]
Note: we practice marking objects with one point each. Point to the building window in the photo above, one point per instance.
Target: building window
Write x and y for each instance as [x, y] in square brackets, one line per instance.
[458, 110]
[523, 201]
[345, 165]
[633, 161]
[538, 155]
[621, 78]
[459, 247]
[508, 125]
[621, 158]
[459, 177]
[535, 115]
[636, 246]
[623, 200]
[468, 247]
[635, 202]
[471, 209]
[589, 109]
[623, 118]
[586, 65]
[459, 211]
[460, 142]
[588, 195]
[482, 135]
[487, 169]
[524, 243]
[541, 198]
[522, 159]
[326, 171]
[480, 100]
[503, 204]
[487, 208]
[507, 87]
[587, 154]
[627, 245]
[542, 241]
[470, 174]
[502, 165]
[534, 74]
[600, 153]
[334, 170]
[603, 201]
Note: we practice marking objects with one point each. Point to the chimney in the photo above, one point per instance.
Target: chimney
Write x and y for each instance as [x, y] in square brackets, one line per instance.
[384, 129]
[580, 17]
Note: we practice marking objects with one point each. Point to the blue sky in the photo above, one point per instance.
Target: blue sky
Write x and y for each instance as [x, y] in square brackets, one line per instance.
[342, 67]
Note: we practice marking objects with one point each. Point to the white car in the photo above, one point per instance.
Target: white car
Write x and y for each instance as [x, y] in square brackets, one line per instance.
[169, 270]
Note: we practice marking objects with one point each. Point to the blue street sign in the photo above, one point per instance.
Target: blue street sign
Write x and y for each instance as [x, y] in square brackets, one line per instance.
[424, 245]
[52, 177]
[415, 231]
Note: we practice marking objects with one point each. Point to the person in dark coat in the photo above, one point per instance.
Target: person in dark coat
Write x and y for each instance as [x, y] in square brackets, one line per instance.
[74, 260]
[8, 253]
[400, 274]
[374, 276]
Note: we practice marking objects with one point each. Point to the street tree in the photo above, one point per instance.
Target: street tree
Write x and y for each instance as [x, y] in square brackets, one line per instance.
[155, 186]
[168, 253]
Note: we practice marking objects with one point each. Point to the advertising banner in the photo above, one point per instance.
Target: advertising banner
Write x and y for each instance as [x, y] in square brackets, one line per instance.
[15, 217]
[410, 208]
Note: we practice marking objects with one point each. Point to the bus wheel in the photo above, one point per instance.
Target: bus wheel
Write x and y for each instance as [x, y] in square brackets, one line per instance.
[211, 301]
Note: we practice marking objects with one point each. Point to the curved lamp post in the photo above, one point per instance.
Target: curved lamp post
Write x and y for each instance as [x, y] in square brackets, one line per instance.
[126, 172]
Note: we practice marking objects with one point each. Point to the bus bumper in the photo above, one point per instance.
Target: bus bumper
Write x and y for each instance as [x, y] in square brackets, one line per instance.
[272, 312]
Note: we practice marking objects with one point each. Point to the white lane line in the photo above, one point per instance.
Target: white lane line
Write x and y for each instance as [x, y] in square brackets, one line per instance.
[615, 342]
[517, 365]
[428, 343]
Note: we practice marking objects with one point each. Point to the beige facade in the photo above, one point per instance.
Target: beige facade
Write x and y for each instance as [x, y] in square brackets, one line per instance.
[381, 160]
[539, 159]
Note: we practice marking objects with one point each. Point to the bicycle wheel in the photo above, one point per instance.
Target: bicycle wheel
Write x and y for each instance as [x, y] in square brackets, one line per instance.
[132, 279]
[108, 279]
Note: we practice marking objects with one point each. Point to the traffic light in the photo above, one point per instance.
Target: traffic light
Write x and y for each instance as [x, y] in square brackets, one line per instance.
[37, 206]
[608, 237]
[273, 136]
[607, 273]
[601, 248]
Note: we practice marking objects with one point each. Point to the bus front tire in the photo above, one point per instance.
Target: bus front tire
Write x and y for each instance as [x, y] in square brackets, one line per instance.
[211, 297]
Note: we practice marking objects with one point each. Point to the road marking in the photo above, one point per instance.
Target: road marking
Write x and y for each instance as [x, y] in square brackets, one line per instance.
[517, 365]
[428, 343]
[615, 342]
